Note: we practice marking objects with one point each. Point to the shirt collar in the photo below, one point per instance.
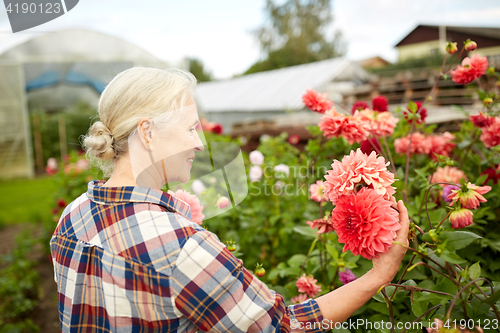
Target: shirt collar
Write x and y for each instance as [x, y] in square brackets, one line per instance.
[123, 194]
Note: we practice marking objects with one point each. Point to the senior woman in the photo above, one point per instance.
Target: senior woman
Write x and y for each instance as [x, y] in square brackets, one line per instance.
[128, 259]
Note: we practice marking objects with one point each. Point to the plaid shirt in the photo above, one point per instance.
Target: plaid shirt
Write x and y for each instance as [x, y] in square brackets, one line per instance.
[127, 259]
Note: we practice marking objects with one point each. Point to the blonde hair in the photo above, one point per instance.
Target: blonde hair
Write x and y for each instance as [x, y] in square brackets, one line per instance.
[133, 94]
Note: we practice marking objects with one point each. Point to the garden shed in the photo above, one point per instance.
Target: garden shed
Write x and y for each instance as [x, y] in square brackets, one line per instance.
[278, 92]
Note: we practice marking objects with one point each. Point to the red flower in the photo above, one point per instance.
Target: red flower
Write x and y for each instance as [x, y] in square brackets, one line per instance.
[293, 139]
[55, 211]
[61, 203]
[482, 120]
[461, 218]
[379, 103]
[367, 146]
[359, 106]
[420, 111]
[334, 124]
[366, 223]
[316, 102]
[323, 225]
[492, 175]
[491, 134]
[471, 69]
[307, 284]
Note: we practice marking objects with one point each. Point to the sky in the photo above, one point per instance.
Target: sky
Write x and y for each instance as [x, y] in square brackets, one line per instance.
[219, 32]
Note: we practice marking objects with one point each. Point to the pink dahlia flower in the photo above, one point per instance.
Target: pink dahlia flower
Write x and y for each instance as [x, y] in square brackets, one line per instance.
[307, 284]
[359, 106]
[471, 69]
[419, 144]
[441, 144]
[316, 101]
[299, 298]
[379, 123]
[358, 168]
[470, 196]
[323, 225]
[379, 103]
[334, 124]
[193, 202]
[316, 191]
[491, 134]
[448, 174]
[347, 276]
[461, 218]
[366, 223]
[482, 120]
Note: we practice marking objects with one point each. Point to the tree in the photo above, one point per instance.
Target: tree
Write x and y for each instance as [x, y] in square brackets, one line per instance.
[295, 34]
[196, 68]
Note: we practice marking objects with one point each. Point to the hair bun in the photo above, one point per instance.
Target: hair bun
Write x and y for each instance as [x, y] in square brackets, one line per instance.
[100, 141]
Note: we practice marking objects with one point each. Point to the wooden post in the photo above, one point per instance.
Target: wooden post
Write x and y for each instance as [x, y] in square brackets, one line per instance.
[62, 137]
[38, 144]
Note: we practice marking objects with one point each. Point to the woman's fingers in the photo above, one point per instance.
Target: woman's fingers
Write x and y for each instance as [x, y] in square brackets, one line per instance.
[402, 236]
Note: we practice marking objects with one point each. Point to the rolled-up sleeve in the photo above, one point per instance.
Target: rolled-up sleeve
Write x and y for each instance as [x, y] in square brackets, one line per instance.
[211, 288]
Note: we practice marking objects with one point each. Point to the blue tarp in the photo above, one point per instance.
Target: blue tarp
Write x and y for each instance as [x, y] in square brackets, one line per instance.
[52, 78]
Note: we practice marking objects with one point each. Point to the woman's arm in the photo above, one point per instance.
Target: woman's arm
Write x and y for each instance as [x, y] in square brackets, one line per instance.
[341, 303]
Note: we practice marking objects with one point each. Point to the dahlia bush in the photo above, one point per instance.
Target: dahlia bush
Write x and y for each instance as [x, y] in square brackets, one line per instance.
[316, 218]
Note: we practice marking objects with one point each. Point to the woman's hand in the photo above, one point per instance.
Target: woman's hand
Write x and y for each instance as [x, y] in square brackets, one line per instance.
[386, 266]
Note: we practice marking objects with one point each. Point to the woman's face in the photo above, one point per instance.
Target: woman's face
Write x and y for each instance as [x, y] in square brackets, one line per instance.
[177, 145]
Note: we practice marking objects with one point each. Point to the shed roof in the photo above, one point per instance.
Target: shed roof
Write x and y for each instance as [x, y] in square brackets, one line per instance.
[274, 90]
[422, 33]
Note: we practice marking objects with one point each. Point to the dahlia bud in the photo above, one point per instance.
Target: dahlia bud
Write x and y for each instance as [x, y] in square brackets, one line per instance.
[222, 203]
[451, 48]
[470, 45]
[487, 101]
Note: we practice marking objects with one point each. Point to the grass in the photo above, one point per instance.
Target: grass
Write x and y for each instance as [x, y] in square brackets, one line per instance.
[25, 200]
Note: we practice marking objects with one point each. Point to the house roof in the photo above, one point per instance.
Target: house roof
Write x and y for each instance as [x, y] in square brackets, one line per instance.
[274, 90]
[422, 33]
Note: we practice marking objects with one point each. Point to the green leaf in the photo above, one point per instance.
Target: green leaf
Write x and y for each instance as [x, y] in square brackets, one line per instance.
[452, 258]
[332, 251]
[305, 231]
[493, 298]
[296, 260]
[481, 179]
[475, 271]
[412, 106]
[419, 306]
[458, 239]
[379, 307]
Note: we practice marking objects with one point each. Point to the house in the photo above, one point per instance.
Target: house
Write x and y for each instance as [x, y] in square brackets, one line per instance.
[426, 40]
[277, 93]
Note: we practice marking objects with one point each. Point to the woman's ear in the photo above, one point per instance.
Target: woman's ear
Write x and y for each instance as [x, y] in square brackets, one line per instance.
[145, 130]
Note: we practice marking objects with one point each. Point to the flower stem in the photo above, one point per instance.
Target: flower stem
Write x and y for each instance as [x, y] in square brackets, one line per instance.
[308, 254]
[421, 316]
[444, 219]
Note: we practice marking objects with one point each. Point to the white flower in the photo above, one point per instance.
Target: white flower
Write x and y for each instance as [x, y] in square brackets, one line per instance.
[282, 168]
[264, 138]
[52, 163]
[255, 173]
[279, 185]
[256, 157]
[198, 187]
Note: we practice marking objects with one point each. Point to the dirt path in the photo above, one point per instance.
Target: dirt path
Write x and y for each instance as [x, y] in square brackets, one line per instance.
[46, 314]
